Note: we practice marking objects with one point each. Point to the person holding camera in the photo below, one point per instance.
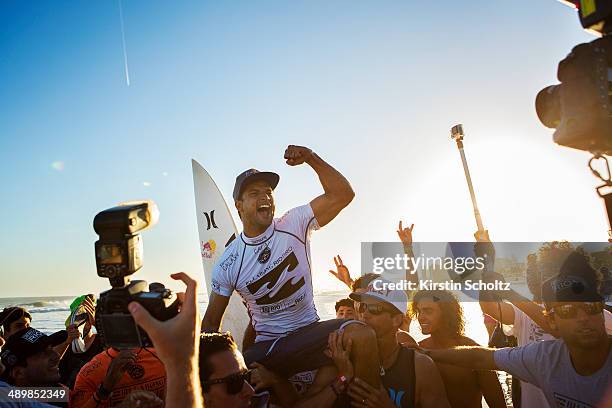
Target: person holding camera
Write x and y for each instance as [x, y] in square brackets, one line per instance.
[268, 264]
[177, 343]
[112, 374]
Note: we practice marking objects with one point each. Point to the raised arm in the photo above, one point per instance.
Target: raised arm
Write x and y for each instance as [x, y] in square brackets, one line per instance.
[177, 344]
[531, 309]
[337, 190]
[214, 312]
[405, 235]
[500, 311]
[474, 357]
[342, 272]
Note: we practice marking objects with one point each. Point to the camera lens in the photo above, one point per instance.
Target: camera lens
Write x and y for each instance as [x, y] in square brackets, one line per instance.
[548, 106]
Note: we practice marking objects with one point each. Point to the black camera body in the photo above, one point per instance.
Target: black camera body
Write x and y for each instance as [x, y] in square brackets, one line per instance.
[114, 322]
[580, 108]
[119, 255]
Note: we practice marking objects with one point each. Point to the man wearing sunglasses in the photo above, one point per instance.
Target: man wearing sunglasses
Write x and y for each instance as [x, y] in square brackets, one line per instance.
[408, 379]
[268, 264]
[523, 318]
[574, 370]
[223, 373]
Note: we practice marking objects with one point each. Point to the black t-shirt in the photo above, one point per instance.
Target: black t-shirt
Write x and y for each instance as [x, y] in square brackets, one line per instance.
[399, 379]
[71, 362]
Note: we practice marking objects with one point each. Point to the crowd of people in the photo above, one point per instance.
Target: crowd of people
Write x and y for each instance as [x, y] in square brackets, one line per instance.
[365, 357]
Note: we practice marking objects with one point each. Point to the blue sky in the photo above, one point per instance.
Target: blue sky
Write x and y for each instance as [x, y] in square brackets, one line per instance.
[373, 87]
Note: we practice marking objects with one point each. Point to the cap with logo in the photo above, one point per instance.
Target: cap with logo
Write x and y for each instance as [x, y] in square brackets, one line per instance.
[576, 281]
[26, 343]
[379, 289]
[570, 288]
[251, 175]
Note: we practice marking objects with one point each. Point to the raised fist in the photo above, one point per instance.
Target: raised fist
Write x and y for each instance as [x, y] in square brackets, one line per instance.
[296, 155]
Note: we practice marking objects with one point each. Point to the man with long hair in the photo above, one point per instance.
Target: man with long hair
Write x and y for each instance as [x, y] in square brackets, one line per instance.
[441, 317]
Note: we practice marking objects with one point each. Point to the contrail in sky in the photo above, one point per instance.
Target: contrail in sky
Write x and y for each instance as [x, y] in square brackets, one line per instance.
[125, 59]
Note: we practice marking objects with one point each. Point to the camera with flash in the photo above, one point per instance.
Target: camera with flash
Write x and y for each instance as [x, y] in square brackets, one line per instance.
[119, 255]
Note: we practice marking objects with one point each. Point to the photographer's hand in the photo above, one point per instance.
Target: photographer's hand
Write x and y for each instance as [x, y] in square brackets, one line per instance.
[117, 368]
[177, 343]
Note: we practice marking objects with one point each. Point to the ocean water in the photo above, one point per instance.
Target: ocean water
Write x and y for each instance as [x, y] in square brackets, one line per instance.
[49, 313]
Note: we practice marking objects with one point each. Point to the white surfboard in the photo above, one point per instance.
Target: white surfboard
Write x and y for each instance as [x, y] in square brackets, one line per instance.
[217, 229]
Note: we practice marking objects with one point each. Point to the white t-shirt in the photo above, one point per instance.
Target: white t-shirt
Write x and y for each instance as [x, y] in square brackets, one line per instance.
[527, 331]
[547, 364]
[271, 272]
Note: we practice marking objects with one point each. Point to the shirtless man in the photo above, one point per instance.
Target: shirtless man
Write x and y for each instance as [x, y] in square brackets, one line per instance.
[268, 264]
[408, 379]
[441, 317]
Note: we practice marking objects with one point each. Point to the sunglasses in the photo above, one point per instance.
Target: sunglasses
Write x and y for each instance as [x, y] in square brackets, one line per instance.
[233, 382]
[372, 309]
[570, 311]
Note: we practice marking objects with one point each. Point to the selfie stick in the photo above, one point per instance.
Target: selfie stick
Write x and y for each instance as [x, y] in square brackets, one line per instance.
[457, 135]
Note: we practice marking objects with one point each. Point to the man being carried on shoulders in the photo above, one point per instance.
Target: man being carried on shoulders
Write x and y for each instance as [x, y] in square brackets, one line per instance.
[268, 264]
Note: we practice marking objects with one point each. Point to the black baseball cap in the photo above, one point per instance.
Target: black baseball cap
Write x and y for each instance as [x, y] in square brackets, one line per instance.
[26, 343]
[570, 288]
[252, 175]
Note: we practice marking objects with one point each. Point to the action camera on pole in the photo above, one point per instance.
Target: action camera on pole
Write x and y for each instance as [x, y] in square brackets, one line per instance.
[119, 255]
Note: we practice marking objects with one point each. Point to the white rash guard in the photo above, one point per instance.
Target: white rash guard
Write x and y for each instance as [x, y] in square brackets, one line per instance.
[271, 272]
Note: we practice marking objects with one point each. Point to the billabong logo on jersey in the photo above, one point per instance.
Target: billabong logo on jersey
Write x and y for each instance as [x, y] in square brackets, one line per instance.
[210, 220]
[271, 279]
[264, 256]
